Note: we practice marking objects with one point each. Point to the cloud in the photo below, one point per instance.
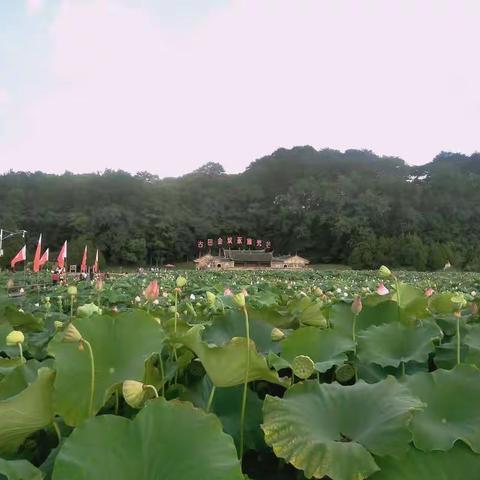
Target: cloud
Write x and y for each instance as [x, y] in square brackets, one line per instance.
[126, 92]
[34, 6]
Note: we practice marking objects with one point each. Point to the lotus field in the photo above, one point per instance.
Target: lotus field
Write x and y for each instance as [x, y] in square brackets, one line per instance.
[236, 375]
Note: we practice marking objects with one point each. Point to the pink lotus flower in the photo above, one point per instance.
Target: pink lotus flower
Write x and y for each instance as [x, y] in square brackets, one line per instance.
[151, 292]
[382, 289]
[429, 292]
[228, 292]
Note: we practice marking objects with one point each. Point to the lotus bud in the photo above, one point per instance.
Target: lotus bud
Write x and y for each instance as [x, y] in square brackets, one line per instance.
[245, 293]
[72, 290]
[429, 292]
[239, 299]
[228, 293]
[318, 291]
[474, 308]
[211, 298]
[71, 334]
[457, 314]
[382, 289]
[181, 282]
[303, 367]
[277, 334]
[152, 291]
[133, 393]
[357, 305]
[384, 272]
[138, 299]
[15, 337]
[10, 283]
[99, 284]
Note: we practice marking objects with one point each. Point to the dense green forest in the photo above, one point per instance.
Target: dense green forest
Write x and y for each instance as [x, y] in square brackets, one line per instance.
[353, 207]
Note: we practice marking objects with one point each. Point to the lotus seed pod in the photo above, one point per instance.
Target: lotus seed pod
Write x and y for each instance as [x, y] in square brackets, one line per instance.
[303, 366]
[344, 373]
[384, 272]
[317, 321]
[15, 337]
[211, 298]
[277, 334]
[181, 282]
[133, 393]
[357, 305]
[72, 290]
[239, 299]
[71, 334]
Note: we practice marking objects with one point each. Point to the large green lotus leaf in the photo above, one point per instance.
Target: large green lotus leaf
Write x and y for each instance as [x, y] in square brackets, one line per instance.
[21, 377]
[121, 344]
[341, 317]
[7, 365]
[453, 409]
[395, 343]
[442, 303]
[412, 302]
[226, 365]
[27, 412]
[166, 440]
[326, 347]
[232, 324]
[460, 463]
[472, 341]
[19, 470]
[333, 430]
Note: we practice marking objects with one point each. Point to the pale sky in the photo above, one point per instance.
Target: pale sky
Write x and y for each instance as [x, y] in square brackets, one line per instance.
[167, 86]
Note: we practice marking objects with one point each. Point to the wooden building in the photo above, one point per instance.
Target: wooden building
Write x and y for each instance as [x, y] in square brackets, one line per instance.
[257, 259]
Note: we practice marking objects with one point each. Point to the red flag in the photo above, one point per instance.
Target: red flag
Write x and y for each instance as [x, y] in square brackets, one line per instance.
[44, 258]
[62, 256]
[95, 265]
[21, 256]
[83, 266]
[38, 251]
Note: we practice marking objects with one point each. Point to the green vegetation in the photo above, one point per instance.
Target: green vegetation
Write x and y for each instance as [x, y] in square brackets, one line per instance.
[350, 208]
[234, 375]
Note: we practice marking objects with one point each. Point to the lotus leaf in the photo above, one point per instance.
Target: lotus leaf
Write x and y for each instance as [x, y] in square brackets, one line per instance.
[453, 410]
[166, 440]
[333, 430]
[120, 344]
[26, 412]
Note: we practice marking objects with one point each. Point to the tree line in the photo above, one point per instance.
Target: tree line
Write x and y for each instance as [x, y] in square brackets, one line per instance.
[351, 207]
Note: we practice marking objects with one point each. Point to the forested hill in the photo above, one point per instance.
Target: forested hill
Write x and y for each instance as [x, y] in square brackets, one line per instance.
[353, 207]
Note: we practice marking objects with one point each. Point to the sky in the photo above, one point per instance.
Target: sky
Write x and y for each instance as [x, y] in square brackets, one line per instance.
[168, 85]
